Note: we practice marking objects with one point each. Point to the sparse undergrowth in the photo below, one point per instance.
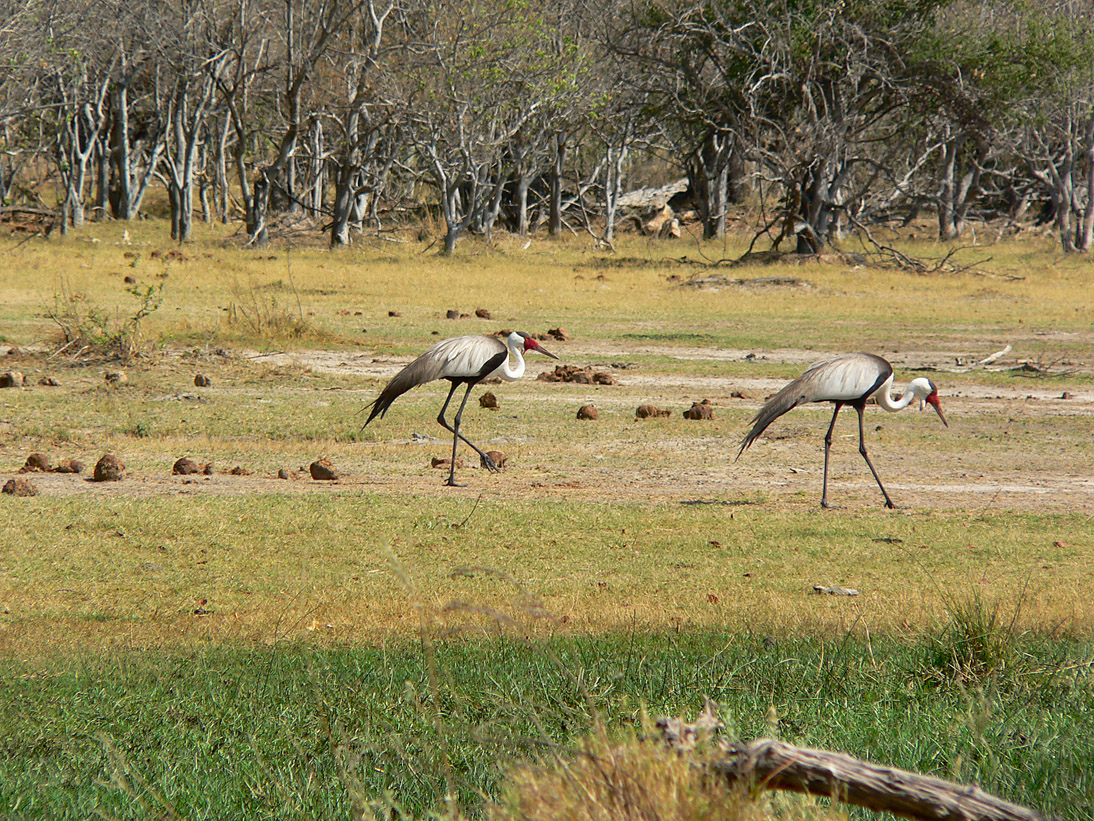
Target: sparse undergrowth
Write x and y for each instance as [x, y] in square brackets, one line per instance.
[88, 329]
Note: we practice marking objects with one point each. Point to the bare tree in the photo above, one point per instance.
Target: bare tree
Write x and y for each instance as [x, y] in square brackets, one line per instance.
[72, 97]
[365, 124]
[189, 65]
[81, 88]
[248, 46]
[470, 67]
[812, 95]
[304, 36]
[692, 83]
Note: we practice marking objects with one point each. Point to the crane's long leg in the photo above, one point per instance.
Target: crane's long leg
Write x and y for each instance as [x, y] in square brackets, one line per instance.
[456, 435]
[862, 450]
[440, 419]
[828, 447]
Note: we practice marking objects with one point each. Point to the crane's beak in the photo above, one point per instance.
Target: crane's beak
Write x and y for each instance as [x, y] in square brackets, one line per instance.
[531, 345]
[932, 400]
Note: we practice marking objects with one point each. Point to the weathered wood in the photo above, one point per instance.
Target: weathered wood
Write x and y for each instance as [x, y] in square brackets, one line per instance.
[37, 212]
[775, 765]
[769, 764]
[997, 355]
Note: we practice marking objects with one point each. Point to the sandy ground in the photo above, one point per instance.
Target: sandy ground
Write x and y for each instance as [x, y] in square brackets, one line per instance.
[1023, 447]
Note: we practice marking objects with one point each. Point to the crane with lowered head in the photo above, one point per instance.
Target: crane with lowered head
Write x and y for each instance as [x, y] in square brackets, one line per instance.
[462, 360]
[847, 379]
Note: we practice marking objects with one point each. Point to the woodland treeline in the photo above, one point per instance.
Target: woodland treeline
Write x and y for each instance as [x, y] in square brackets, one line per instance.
[529, 116]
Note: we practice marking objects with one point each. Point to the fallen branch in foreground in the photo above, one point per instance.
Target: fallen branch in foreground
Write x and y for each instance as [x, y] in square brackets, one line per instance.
[769, 764]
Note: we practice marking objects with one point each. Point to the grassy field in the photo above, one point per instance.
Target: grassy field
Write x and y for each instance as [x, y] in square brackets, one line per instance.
[286, 731]
[238, 645]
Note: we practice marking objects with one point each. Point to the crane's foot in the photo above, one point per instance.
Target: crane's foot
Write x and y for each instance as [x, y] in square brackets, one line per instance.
[451, 482]
[488, 463]
[825, 505]
[889, 504]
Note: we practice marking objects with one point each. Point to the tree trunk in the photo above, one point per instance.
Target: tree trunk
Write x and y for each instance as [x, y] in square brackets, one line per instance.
[736, 175]
[554, 220]
[318, 166]
[455, 226]
[1062, 196]
[522, 204]
[102, 176]
[956, 197]
[121, 189]
[204, 182]
[708, 176]
[136, 198]
[186, 211]
[1086, 239]
[450, 238]
[820, 187]
[362, 206]
[343, 205]
[74, 198]
[75, 150]
[809, 241]
[256, 213]
[223, 200]
[176, 209]
[493, 207]
[947, 227]
[613, 181]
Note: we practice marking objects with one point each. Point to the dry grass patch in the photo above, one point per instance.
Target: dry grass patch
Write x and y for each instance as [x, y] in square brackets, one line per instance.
[611, 523]
[632, 778]
[308, 296]
[103, 568]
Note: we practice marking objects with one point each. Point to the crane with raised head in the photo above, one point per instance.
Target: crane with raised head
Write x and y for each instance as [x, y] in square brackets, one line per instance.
[848, 379]
[462, 360]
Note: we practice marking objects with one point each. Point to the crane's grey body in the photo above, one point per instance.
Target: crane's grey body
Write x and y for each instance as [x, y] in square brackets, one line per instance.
[462, 360]
[848, 379]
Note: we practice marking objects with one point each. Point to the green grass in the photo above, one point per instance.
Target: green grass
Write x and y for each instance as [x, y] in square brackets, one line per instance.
[291, 730]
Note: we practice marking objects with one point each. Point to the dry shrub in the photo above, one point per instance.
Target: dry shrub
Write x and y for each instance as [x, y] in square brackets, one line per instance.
[261, 314]
[89, 329]
[639, 779]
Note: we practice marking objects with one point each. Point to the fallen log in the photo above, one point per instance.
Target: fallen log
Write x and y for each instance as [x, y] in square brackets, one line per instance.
[769, 764]
[775, 765]
[997, 355]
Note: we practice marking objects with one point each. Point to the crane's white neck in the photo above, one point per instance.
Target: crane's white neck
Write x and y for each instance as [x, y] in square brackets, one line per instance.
[512, 368]
[918, 388]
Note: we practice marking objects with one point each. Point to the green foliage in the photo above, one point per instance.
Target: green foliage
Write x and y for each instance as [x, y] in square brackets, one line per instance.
[87, 328]
[1020, 52]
